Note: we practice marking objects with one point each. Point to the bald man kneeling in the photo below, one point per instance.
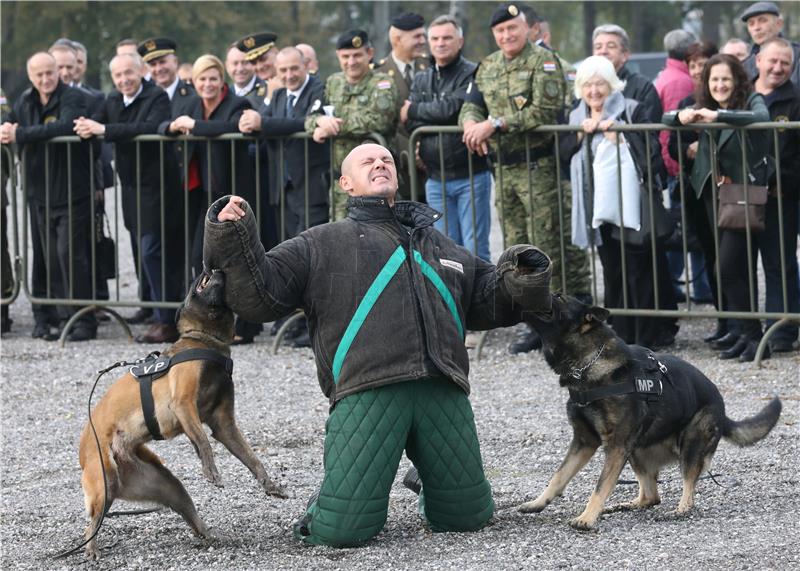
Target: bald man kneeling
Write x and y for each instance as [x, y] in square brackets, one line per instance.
[388, 300]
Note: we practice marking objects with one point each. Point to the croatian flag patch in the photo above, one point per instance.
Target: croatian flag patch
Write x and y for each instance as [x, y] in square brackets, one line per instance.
[550, 66]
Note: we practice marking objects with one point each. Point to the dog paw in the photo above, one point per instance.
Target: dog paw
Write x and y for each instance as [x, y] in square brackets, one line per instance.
[273, 489]
[214, 477]
[582, 524]
[532, 507]
[92, 552]
[214, 535]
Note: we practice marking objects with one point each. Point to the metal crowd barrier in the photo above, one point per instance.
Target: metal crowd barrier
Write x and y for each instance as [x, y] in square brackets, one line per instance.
[781, 317]
[56, 293]
[116, 299]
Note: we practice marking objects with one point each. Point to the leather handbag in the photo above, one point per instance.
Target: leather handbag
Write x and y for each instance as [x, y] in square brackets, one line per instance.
[662, 226]
[738, 210]
[105, 249]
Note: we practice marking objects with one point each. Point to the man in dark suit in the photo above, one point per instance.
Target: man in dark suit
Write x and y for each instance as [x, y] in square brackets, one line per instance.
[243, 75]
[160, 55]
[407, 38]
[138, 108]
[288, 185]
[57, 182]
[260, 50]
[283, 116]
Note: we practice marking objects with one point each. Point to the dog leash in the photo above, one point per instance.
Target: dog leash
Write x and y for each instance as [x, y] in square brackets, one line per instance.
[100, 373]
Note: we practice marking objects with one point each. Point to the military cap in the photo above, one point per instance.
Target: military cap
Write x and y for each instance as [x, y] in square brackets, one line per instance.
[408, 21]
[352, 39]
[155, 48]
[505, 12]
[759, 8]
[255, 45]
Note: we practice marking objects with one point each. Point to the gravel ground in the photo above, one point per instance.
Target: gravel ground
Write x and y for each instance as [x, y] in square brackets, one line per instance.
[748, 521]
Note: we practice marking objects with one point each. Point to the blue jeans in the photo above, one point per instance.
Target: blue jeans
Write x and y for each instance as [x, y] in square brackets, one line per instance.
[769, 245]
[457, 219]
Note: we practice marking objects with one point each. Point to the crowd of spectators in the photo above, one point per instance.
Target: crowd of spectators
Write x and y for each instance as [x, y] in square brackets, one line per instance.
[275, 92]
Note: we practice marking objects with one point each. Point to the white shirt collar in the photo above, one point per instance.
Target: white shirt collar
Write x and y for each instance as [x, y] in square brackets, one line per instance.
[171, 89]
[299, 92]
[401, 65]
[242, 91]
[128, 100]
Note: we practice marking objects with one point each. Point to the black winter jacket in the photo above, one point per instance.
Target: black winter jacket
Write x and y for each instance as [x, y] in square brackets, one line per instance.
[387, 297]
[39, 123]
[436, 99]
[141, 117]
[784, 105]
[638, 87]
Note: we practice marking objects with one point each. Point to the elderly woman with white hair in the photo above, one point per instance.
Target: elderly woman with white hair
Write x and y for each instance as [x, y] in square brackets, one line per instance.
[596, 218]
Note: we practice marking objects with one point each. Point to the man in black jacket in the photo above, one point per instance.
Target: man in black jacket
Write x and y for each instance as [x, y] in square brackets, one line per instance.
[57, 188]
[388, 300]
[611, 41]
[137, 108]
[775, 62]
[436, 98]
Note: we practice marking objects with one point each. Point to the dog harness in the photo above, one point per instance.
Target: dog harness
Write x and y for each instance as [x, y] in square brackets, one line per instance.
[645, 377]
[155, 366]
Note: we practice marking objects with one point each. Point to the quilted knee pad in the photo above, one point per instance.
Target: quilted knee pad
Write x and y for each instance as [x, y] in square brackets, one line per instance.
[444, 447]
[365, 437]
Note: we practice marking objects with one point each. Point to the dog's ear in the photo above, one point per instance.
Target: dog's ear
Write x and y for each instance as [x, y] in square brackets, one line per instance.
[595, 313]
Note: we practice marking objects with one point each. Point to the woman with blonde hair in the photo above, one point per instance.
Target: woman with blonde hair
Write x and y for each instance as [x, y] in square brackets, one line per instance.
[217, 111]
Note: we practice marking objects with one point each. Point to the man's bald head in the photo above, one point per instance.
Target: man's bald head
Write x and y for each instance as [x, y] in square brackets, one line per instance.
[43, 73]
[369, 170]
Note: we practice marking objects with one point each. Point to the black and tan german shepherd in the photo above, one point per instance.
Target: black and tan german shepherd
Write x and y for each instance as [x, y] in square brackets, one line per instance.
[647, 409]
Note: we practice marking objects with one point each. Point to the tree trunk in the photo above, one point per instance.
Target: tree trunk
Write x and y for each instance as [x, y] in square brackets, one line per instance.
[589, 19]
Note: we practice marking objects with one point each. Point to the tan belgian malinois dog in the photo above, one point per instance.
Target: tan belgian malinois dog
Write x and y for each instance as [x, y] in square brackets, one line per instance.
[190, 393]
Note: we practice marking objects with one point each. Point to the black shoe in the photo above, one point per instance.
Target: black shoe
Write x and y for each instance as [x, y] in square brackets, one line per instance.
[43, 331]
[663, 341]
[725, 342]
[5, 324]
[525, 342]
[239, 340]
[737, 349]
[720, 332]
[781, 345]
[749, 353]
[302, 340]
[142, 315]
[82, 332]
[702, 300]
[411, 480]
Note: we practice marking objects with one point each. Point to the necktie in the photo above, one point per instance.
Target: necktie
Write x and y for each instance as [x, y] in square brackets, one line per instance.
[408, 75]
[290, 105]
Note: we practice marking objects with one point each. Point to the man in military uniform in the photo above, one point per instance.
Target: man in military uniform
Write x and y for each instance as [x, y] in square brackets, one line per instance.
[358, 101]
[540, 36]
[243, 74]
[407, 38]
[516, 89]
[260, 50]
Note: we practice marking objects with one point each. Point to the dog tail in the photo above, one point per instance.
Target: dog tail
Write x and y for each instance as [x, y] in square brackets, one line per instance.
[750, 430]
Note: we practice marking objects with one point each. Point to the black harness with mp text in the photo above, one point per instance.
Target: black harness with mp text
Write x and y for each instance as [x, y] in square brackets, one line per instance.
[645, 376]
[155, 366]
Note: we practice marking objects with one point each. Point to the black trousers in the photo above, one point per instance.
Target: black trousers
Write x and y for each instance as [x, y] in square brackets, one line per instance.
[639, 282]
[69, 258]
[738, 293]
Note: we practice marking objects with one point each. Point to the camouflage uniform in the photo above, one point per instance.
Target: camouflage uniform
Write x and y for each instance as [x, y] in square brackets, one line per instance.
[370, 106]
[400, 142]
[526, 92]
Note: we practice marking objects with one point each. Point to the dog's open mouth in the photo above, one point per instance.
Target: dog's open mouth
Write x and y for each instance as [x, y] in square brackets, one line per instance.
[201, 285]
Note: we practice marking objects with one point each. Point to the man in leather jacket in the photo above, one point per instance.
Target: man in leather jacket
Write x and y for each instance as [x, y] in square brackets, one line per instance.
[436, 99]
[388, 300]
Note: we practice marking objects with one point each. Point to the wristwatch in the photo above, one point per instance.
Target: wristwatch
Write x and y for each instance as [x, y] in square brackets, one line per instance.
[496, 122]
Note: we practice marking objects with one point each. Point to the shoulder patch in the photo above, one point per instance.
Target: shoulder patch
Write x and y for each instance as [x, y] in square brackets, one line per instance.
[549, 66]
[384, 84]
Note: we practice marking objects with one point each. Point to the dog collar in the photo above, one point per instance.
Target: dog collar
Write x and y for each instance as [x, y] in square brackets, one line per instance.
[577, 373]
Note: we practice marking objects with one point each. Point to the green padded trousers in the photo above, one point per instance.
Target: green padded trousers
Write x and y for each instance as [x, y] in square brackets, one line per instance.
[366, 434]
